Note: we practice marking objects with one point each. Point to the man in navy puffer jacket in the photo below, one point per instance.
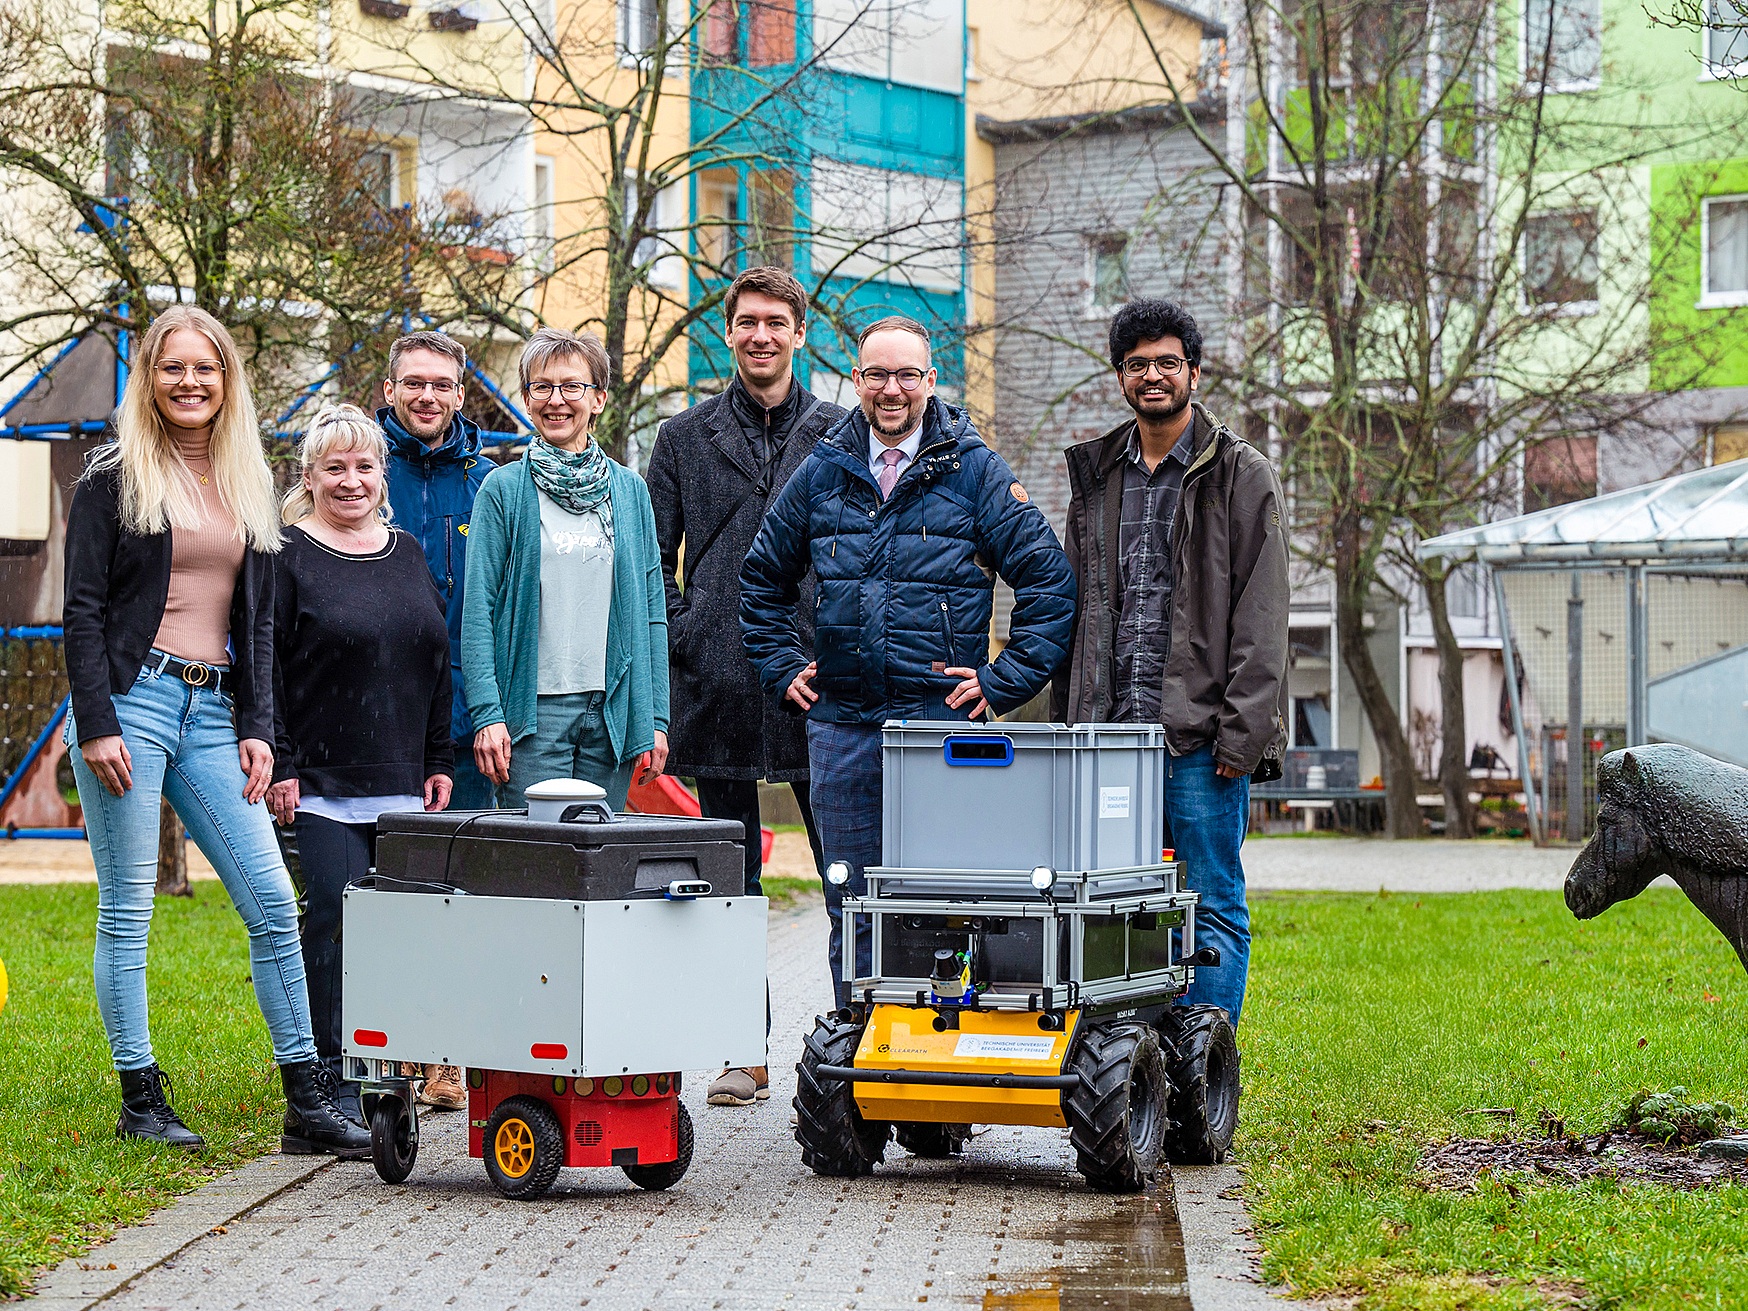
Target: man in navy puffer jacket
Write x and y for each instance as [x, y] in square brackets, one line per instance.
[905, 517]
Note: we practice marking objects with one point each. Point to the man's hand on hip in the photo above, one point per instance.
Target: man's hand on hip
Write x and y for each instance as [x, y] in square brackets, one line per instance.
[1226, 771]
[967, 690]
[799, 692]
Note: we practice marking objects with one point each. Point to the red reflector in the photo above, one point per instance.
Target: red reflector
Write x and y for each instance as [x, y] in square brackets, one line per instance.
[548, 1051]
[369, 1038]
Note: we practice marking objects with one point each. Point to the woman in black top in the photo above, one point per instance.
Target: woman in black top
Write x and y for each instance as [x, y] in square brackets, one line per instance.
[361, 685]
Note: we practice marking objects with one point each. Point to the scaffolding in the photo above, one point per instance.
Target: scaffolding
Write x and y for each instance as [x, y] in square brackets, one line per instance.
[1625, 621]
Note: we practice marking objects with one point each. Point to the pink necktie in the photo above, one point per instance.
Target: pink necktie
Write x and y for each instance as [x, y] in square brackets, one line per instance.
[889, 475]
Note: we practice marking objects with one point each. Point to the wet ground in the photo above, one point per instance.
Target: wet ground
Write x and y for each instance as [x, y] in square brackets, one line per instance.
[1461, 1161]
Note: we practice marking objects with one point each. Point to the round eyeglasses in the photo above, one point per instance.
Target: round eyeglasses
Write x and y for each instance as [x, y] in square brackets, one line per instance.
[571, 391]
[205, 372]
[908, 379]
[1169, 365]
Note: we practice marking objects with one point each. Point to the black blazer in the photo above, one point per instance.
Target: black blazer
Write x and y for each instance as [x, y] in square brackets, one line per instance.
[117, 584]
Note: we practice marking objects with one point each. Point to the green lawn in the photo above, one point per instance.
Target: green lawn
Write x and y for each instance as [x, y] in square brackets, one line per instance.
[64, 1178]
[1372, 1022]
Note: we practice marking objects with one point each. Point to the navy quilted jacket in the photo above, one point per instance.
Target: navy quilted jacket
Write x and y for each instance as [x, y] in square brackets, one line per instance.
[905, 588]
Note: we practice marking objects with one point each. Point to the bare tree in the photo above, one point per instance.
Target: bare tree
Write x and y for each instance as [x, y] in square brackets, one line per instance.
[1431, 270]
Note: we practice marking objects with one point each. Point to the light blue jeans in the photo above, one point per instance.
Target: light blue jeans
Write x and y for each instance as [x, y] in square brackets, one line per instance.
[184, 749]
[570, 740]
[1206, 818]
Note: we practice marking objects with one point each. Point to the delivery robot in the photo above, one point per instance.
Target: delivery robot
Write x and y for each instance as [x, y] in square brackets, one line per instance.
[1030, 941]
[589, 958]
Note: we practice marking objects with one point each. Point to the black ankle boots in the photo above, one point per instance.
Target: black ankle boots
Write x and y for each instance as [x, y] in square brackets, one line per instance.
[146, 1111]
[314, 1122]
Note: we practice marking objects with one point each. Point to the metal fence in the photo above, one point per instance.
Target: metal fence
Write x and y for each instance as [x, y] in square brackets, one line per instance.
[33, 698]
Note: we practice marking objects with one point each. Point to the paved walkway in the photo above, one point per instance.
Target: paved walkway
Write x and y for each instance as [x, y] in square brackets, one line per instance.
[1009, 1226]
[1416, 865]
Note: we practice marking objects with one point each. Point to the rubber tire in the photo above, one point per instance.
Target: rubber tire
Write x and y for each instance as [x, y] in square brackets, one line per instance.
[835, 1140]
[1117, 1117]
[1202, 1061]
[394, 1139]
[665, 1174]
[548, 1143]
[931, 1140]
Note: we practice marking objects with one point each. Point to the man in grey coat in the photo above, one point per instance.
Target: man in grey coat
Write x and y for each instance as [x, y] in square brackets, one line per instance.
[714, 469]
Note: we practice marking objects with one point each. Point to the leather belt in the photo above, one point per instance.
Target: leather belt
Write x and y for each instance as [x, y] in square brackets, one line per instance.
[193, 672]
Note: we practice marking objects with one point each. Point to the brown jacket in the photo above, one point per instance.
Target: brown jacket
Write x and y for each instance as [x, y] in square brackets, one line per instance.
[1226, 673]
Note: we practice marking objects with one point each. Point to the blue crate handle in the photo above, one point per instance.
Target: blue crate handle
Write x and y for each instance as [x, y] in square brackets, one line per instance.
[996, 751]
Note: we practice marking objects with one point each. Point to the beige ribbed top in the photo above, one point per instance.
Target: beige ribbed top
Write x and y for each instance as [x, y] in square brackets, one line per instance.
[204, 563]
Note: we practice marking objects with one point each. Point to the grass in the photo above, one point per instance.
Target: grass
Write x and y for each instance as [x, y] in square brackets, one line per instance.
[1372, 1022]
[65, 1180]
[786, 892]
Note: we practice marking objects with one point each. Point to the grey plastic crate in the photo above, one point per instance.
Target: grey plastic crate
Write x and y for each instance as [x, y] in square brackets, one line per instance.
[1015, 796]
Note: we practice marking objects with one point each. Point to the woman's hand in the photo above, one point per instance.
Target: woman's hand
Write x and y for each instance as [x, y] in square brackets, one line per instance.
[108, 758]
[651, 763]
[282, 799]
[256, 759]
[491, 752]
[437, 790]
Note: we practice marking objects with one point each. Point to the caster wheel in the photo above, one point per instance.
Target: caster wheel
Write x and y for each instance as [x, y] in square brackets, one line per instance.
[524, 1147]
[667, 1173]
[1117, 1117]
[394, 1139]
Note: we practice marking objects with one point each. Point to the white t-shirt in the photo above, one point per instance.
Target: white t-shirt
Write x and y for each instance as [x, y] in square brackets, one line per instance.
[576, 596]
[357, 810]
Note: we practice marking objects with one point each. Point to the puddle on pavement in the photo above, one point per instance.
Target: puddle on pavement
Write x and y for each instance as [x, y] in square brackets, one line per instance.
[1129, 1260]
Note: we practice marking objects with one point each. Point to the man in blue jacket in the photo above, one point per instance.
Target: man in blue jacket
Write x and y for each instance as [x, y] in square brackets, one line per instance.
[435, 470]
[902, 513]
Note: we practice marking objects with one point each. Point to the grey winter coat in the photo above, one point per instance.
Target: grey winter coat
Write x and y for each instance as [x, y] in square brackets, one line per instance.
[722, 724]
[1226, 672]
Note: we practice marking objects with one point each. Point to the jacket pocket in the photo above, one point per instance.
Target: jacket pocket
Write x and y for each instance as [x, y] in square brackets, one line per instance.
[949, 641]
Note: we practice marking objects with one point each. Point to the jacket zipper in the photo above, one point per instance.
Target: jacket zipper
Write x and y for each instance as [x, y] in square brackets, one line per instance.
[947, 628]
[448, 555]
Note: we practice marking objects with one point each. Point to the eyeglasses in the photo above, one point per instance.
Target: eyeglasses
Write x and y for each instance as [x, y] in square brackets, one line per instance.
[206, 372]
[909, 379]
[571, 391]
[414, 386]
[1169, 365]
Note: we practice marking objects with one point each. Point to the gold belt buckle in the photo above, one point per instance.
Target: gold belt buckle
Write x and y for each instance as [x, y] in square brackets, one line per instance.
[196, 675]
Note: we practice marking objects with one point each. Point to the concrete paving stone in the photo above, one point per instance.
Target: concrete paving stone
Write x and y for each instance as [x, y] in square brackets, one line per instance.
[749, 1226]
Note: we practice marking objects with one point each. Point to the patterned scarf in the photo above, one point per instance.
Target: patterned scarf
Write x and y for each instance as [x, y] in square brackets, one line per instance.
[577, 481]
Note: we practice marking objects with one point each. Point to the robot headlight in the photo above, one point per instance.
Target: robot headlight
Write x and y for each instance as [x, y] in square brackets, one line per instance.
[1043, 878]
[838, 873]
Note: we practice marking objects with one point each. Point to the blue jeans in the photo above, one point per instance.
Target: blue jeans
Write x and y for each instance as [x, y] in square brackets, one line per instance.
[473, 790]
[184, 749]
[569, 741]
[844, 777]
[1206, 817]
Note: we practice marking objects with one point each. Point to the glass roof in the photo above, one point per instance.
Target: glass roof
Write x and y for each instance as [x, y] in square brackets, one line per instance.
[1701, 515]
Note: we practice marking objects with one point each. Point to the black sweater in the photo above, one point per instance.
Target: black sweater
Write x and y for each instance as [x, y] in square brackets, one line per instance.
[117, 584]
[361, 688]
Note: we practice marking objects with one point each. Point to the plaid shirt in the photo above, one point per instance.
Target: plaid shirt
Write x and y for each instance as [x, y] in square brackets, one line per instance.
[1144, 572]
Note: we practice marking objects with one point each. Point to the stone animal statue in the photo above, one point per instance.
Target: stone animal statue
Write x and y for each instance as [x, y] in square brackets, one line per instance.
[1668, 810]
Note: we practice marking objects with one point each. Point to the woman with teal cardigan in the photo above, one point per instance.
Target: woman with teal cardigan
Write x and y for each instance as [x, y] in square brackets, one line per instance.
[564, 635]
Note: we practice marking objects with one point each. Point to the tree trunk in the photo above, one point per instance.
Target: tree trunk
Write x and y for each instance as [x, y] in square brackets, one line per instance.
[172, 854]
[1453, 765]
[1352, 586]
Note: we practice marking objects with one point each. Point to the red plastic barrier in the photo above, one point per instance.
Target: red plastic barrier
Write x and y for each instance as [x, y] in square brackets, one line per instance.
[668, 796]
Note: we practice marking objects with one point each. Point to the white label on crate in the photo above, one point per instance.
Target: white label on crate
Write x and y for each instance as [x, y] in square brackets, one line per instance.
[1025, 1047]
[1113, 803]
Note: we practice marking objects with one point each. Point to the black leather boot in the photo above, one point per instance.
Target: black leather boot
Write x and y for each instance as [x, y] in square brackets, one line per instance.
[346, 1093]
[146, 1111]
[313, 1123]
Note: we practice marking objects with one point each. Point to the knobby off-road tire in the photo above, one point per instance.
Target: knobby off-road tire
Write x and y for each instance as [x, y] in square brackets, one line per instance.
[835, 1140]
[1117, 1117]
[524, 1145]
[394, 1139]
[1202, 1062]
[931, 1140]
[667, 1173]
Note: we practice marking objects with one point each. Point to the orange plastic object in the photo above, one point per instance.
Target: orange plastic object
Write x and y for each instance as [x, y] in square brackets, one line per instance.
[668, 796]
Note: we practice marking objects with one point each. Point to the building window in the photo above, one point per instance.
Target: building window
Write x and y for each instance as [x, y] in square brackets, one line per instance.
[1108, 256]
[770, 33]
[1562, 44]
[654, 253]
[639, 27]
[541, 229]
[718, 219]
[1558, 471]
[1559, 260]
[720, 32]
[1726, 37]
[1724, 240]
[971, 73]
[886, 225]
[1728, 444]
[379, 177]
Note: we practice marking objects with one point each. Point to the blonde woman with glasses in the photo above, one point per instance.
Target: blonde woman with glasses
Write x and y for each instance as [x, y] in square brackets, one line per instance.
[361, 688]
[169, 640]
